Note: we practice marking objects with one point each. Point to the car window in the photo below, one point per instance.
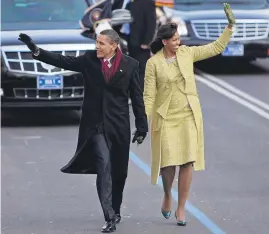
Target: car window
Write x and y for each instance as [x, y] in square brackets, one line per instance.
[41, 11]
[217, 4]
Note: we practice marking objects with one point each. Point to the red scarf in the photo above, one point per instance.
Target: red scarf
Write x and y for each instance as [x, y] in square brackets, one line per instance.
[110, 72]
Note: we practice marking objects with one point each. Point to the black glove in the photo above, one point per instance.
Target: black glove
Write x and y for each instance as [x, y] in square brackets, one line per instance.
[28, 42]
[139, 137]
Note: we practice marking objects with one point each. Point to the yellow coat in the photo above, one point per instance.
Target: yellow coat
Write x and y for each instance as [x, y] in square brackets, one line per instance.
[157, 98]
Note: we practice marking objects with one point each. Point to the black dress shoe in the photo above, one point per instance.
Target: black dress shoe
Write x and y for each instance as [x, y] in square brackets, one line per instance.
[118, 218]
[109, 227]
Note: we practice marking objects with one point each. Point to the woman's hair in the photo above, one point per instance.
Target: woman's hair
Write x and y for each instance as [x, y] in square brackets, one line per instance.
[166, 32]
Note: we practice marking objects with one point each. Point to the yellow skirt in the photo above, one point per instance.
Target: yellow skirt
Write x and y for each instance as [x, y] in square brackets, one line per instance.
[179, 139]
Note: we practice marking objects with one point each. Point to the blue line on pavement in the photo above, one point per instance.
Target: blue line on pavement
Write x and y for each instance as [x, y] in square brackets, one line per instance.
[191, 208]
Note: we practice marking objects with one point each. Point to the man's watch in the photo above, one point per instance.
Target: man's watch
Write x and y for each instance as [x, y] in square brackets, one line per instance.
[37, 52]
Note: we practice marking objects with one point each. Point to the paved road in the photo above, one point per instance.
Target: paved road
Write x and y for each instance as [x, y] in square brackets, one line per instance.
[252, 78]
[231, 196]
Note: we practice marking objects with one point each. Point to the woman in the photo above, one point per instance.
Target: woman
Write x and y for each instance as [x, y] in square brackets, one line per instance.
[172, 101]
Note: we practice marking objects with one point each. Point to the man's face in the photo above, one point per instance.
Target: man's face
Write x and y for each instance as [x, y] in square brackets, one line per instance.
[104, 46]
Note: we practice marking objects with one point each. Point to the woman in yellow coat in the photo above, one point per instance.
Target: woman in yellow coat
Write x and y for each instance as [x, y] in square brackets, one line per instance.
[172, 102]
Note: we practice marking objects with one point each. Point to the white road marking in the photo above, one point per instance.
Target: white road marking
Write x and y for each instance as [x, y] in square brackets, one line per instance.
[235, 90]
[232, 96]
[26, 138]
[26, 142]
[30, 163]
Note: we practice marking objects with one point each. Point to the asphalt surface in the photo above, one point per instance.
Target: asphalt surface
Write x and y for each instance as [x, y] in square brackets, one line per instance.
[230, 196]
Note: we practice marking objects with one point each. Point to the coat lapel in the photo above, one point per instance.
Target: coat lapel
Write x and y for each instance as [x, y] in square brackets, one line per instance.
[98, 67]
[182, 60]
[120, 72]
[164, 66]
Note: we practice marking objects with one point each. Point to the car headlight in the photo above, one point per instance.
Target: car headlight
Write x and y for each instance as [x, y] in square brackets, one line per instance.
[3, 65]
[182, 28]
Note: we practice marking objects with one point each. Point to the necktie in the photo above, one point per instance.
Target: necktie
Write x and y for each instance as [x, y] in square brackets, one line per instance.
[107, 63]
[107, 70]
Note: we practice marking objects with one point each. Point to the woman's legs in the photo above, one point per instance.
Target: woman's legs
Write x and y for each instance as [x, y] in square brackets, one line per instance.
[168, 174]
[184, 182]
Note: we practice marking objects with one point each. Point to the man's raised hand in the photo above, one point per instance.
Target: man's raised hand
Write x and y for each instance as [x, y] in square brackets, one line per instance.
[27, 40]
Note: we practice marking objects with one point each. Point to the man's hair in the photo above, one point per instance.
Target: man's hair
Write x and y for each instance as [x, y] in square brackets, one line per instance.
[112, 34]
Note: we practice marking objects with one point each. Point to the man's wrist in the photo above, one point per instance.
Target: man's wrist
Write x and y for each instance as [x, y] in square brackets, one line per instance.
[36, 52]
[141, 132]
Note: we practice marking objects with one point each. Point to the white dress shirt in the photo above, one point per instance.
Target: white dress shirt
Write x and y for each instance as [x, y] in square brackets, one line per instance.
[109, 61]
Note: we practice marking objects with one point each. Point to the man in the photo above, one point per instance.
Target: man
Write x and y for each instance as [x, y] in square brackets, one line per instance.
[117, 4]
[142, 31]
[104, 131]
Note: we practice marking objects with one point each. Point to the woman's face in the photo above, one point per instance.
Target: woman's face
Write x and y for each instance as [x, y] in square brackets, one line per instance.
[173, 43]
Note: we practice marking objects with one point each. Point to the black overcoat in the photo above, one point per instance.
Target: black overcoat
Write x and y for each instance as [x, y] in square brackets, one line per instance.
[107, 102]
[143, 27]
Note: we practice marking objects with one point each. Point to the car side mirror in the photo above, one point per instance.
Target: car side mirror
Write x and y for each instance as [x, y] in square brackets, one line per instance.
[120, 17]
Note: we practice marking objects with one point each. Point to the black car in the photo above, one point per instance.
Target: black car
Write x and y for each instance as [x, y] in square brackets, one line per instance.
[202, 21]
[55, 26]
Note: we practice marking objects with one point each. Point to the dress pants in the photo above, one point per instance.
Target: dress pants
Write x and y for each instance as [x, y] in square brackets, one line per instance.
[117, 193]
[103, 180]
[109, 189]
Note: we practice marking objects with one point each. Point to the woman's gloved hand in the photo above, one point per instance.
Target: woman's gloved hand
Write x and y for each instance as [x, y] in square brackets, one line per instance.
[229, 14]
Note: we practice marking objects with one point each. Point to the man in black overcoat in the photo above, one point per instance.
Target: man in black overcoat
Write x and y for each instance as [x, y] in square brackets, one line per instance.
[142, 31]
[117, 4]
[110, 77]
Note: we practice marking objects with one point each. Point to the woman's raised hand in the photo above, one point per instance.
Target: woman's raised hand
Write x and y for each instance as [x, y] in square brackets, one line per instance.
[229, 13]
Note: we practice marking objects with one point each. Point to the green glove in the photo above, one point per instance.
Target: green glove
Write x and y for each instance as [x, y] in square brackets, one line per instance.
[229, 13]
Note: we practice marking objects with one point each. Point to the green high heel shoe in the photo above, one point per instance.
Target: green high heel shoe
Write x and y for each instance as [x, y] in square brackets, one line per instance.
[166, 214]
[180, 222]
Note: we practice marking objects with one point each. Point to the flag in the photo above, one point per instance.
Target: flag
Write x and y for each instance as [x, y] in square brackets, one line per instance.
[167, 3]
